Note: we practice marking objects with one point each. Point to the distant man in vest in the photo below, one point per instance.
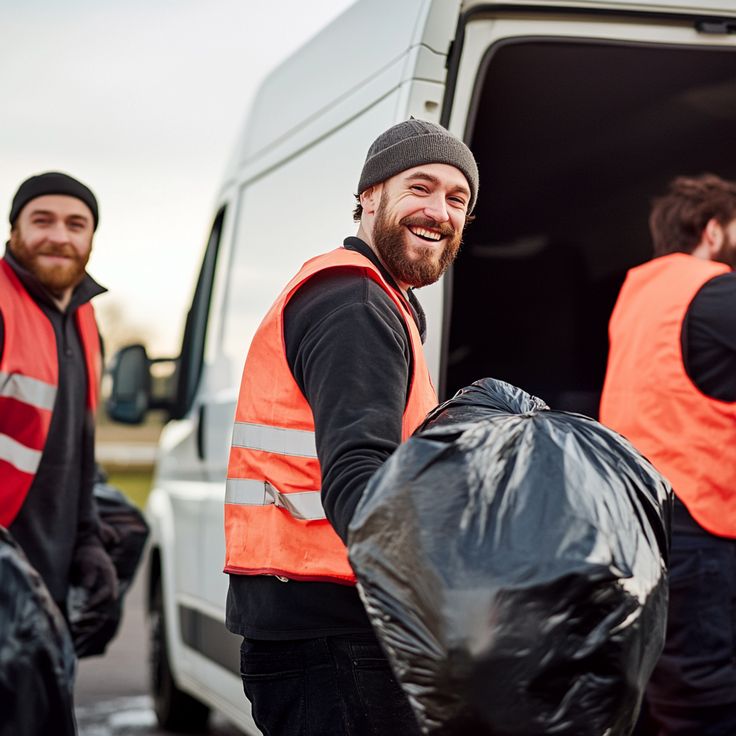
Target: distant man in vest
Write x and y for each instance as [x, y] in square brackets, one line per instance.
[50, 362]
[335, 379]
[671, 389]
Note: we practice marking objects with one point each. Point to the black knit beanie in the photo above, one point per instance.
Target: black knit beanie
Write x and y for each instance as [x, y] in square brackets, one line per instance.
[413, 143]
[52, 182]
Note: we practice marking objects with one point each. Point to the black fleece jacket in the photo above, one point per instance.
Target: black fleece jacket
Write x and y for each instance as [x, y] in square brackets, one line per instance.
[349, 351]
[58, 514]
[709, 338]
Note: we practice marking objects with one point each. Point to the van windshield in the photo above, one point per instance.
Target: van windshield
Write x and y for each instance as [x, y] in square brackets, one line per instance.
[573, 140]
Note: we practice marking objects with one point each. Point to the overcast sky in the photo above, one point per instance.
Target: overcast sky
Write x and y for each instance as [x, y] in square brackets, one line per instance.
[143, 101]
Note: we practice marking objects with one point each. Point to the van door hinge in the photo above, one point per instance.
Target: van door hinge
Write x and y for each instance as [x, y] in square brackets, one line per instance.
[715, 27]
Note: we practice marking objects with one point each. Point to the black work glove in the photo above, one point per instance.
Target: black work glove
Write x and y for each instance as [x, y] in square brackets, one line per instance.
[92, 569]
[108, 535]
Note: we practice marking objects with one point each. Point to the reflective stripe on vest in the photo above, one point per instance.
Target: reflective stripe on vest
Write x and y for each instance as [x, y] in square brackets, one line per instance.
[649, 398]
[304, 505]
[279, 440]
[274, 520]
[33, 392]
[19, 456]
[27, 390]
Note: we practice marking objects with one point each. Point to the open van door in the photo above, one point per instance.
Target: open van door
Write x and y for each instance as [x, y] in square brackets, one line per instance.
[578, 114]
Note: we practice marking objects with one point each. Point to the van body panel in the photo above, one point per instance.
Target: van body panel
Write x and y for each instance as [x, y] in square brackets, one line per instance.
[418, 62]
[288, 195]
[224, 694]
[407, 39]
[353, 104]
[345, 63]
[177, 452]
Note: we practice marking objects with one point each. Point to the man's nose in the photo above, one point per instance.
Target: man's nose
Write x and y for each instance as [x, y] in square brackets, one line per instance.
[58, 233]
[436, 208]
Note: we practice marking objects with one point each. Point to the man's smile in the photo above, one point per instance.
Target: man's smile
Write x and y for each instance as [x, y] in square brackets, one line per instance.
[424, 233]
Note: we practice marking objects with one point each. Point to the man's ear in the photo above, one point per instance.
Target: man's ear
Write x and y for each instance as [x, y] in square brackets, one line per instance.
[713, 236]
[369, 199]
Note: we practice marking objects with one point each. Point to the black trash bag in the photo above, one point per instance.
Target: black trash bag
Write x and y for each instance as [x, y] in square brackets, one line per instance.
[124, 534]
[36, 652]
[512, 560]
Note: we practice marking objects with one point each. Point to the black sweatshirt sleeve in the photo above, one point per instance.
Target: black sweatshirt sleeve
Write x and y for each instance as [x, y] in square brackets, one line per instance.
[349, 352]
[709, 338]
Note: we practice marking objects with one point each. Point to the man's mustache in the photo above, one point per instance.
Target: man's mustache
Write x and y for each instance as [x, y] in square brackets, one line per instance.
[444, 228]
[62, 250]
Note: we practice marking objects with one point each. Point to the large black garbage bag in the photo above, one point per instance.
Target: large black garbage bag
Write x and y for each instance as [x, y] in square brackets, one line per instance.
[512, 560]
[93, 627]
[36, 652]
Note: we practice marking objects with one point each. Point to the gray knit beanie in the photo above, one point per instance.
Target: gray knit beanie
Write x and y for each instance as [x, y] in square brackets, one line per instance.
[413, 143]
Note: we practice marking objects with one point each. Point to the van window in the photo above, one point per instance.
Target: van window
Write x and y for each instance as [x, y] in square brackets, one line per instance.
[195, 329]
[573, 140]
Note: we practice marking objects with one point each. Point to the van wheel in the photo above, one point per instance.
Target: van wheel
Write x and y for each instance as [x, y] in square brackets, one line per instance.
[176, 711]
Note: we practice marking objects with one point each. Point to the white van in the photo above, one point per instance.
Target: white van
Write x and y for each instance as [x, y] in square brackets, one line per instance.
[578, 111]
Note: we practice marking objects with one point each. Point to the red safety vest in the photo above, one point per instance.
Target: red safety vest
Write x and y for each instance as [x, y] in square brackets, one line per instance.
[274, 520]
[29, 378]
[649, 398]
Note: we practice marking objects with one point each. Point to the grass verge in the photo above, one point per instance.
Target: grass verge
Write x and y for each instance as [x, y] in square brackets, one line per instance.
[135, 483]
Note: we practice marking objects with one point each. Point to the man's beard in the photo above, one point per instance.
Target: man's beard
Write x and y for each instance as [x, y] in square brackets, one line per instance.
[56, 278]
[727, 253]
[390, 240]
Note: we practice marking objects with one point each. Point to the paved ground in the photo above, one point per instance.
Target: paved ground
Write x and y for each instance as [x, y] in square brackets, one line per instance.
[125, 453]
[112, 691]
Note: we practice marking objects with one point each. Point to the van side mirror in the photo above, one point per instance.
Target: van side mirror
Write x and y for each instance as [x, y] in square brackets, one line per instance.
[130, 393]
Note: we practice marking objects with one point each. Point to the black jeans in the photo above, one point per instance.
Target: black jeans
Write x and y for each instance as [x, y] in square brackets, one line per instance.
[692, 691]
[324, 687]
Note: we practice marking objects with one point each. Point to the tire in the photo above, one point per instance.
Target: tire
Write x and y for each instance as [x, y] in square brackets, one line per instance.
[176, 710]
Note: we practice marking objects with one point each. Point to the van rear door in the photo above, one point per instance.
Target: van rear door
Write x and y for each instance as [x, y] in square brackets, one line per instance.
[578, 119]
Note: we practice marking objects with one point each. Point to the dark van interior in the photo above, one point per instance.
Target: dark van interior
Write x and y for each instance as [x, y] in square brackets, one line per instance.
[573, 141]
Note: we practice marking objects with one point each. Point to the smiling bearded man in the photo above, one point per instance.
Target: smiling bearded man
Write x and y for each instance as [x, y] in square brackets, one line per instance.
[50, 361]
[334, 381]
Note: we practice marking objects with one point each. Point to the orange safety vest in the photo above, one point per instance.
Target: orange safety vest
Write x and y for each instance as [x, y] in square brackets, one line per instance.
[29, 378]
[274, 520]
[649, 398]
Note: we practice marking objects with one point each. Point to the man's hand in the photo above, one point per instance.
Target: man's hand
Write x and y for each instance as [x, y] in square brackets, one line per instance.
[108, 534]
[93, 570]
